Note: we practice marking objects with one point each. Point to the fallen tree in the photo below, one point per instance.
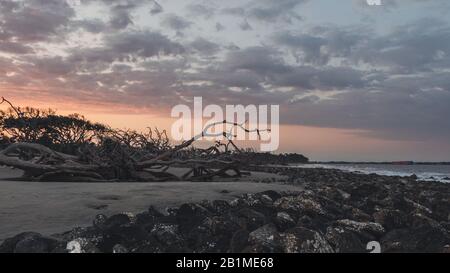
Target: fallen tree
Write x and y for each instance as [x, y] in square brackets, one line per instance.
[50, 147]
[105, 154]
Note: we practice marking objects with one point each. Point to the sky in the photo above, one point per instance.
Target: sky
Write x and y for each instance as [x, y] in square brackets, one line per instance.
[353, 81]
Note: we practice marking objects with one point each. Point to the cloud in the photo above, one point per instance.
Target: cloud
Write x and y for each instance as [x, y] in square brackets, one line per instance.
[267, 10]
[156, 8]
[175, 22]
[36, 20]
[244, 25]
[198, 10]
[205, 47]
[120, 17]
[392, 83]
[15, 48]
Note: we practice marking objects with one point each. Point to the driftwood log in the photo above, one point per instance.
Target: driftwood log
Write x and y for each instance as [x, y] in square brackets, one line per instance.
[41, 163]
[123, 155]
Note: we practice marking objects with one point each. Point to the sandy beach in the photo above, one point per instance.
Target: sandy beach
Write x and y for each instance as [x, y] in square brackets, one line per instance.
[55, 207]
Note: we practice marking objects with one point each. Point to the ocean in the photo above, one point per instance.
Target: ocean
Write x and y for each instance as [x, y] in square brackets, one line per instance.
[424, 172]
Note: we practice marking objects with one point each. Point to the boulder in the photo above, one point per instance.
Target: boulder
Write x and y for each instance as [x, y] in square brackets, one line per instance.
[29, 242]
[422, 239]
[302, 240]
[265, 239]
[284, 221]
[239, 241]
[371, 228]
[345, 241]
[250, 219]
[390, 219]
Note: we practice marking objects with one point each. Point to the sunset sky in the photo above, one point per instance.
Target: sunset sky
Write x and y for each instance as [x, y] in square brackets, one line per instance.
[354, 82]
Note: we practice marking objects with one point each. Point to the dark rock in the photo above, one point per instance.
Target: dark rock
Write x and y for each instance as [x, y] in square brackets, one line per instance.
[265, 239]
[155, 212]
[115, 221]
[374, 229]
[266, 200]
[301, 204]
[239, 240]
[220, 206]
[29, 242]
[99, 221]
[119, 249]
[203, 240]
[345, 241]
[272, 194]
[390, 219]
[168, 235]
[127, 235]
[190, 215]
[422, 239]
[250, 219]
[302, 240]
[284, 221]
[221, 225]
[82, 245]
[146, 220]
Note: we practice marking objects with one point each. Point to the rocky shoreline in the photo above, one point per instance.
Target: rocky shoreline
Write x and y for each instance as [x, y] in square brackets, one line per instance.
[333, 211]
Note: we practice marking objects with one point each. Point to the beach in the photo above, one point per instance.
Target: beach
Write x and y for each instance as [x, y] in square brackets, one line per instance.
[55, 207]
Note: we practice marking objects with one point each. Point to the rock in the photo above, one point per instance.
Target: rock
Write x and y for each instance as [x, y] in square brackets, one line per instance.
[221, 225]
[9, 244]
[190, 215]
[272, 194]
[250, 200]
[422, 239]
[29, 242]
[250, 219]
[239, 240]
[127, 235]
[300, 205]
[284, 221]
[371, 228]
[266, 200]
[120, 249]
[345, 241]
[359, 215]
[146, 220]
[390, 219]
[441, 209]
[220, 206]
[115, 221]
[168, 235]
[203, 240]
[99, 221]
[81, 245]
[155, 212]
[265, 239]
[302, 240]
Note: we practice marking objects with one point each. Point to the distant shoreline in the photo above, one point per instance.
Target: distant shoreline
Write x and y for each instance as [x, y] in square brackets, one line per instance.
[379, 163]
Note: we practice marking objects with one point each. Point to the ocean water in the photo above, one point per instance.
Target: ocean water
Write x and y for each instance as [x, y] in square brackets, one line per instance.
[424, 172]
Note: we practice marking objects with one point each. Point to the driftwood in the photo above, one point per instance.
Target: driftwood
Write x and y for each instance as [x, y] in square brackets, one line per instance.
[125, 155]
[41, 163]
